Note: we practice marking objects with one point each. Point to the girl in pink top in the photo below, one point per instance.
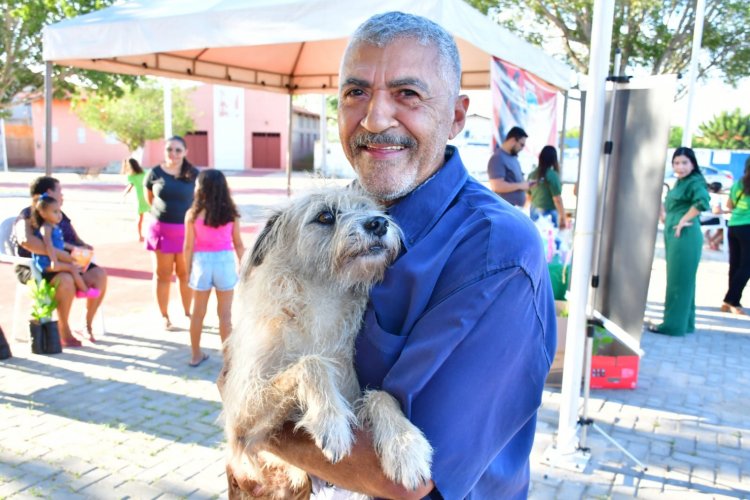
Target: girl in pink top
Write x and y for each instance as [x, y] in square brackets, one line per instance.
[212, 240]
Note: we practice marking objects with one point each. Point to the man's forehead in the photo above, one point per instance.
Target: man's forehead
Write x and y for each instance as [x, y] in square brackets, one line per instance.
[401, 61]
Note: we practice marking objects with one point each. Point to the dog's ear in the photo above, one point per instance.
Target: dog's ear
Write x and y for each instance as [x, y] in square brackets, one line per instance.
[265, 240]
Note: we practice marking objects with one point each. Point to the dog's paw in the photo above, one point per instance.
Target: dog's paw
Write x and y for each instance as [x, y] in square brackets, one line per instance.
[406, 458]
[335, 439]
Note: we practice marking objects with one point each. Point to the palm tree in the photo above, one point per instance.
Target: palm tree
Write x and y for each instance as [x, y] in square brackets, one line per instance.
[727, 130]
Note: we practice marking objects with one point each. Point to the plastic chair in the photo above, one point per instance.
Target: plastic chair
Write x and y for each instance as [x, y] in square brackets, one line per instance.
[19, 330]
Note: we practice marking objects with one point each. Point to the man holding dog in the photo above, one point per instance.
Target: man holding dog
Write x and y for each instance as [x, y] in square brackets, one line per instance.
[462, 328]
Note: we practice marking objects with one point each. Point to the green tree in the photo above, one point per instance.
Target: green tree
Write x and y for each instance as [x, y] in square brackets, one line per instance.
[675, 137]
[136, 116]
[655, 35]
[727, 130]
[21, 63]
[573, 133]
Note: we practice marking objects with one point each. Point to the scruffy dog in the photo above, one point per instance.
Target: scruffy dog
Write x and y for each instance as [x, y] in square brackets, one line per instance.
[300, 302]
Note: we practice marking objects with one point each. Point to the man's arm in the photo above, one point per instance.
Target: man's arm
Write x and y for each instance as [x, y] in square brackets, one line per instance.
[502, 186]
[26, 238]
[496, 171]
[359, 471]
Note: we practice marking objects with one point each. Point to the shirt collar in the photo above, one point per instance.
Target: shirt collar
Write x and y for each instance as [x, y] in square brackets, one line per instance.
[417, 212]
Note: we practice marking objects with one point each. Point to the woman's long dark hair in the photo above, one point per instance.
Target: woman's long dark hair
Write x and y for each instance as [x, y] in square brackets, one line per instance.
[547, 160]
[131, 166]
[187, 171]
[213, 199]
[746, 178]
[690, 155]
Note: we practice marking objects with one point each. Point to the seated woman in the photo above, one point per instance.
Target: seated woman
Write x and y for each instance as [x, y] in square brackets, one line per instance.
[27, 242]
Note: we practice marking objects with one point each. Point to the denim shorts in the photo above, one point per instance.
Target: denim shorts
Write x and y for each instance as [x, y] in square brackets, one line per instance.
[213, 270]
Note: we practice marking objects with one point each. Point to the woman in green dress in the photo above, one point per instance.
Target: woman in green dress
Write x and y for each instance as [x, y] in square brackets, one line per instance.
[683, 240]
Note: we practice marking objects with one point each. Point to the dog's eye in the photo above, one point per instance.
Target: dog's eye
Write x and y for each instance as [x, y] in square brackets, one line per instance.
[326, 217]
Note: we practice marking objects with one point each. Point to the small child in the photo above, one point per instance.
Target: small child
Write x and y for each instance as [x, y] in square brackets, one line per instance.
[212, 239]
[136, 176]
[45, 218]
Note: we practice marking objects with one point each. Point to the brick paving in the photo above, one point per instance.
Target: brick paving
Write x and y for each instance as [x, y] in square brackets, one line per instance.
[127, 418]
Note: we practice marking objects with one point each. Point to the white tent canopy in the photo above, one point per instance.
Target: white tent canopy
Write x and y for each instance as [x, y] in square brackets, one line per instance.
[291, 46]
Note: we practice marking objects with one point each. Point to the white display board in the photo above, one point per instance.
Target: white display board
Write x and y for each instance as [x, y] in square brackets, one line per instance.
[229, 128]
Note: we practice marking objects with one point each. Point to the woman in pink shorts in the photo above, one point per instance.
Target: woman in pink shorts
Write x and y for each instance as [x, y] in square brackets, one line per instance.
[169, 190]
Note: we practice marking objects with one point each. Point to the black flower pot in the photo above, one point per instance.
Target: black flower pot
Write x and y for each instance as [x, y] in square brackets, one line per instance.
[45, 338]
[4, 347]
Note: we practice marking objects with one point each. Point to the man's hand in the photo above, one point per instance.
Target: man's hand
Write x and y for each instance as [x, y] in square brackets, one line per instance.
[275, 482]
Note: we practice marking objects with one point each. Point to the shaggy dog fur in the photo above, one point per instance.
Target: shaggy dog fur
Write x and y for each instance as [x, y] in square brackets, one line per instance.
[302, 295]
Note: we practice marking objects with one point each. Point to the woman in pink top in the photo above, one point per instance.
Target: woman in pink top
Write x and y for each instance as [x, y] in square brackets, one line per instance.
[212, 239]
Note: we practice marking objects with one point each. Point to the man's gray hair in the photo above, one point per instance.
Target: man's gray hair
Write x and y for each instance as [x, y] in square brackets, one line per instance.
[382, 29]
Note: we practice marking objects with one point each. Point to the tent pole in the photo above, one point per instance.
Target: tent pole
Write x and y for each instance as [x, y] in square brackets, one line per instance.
[167, 90]
[583, 237]
[323, 134]
[687, 133]
[48, 118]
[4, 144]
[290, 131]
[563, 128]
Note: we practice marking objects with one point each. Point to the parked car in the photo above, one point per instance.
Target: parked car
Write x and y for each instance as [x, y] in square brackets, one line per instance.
[712, 174]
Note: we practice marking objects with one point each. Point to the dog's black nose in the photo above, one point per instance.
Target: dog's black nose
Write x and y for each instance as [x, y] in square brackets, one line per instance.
[377, 225]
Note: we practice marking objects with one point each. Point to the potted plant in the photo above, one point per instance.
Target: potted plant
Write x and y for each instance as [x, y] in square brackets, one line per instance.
[45, 337]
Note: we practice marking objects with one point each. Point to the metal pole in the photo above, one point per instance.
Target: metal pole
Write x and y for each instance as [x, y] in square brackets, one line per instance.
[564, 122]
[289, 149]
[583, 236]
[602, 201]
[586, 385]
[687, 133]
[48, 118]
[4, 144]
[323, 135]
[167, 89]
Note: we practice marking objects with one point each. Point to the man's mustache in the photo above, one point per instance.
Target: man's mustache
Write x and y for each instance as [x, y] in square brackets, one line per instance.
[366, 139]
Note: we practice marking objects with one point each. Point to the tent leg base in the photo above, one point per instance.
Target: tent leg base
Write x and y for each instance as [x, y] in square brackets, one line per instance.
[575, 460]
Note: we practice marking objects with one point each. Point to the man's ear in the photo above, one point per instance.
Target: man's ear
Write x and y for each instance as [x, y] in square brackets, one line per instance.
[460, 108]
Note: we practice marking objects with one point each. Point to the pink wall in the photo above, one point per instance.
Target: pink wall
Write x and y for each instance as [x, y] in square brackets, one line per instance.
[264, 112]
[92, 150]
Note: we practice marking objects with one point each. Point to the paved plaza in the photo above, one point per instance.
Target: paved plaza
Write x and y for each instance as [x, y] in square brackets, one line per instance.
[126, 417]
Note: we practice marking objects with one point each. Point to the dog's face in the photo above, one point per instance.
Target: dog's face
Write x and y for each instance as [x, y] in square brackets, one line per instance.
[338, 234]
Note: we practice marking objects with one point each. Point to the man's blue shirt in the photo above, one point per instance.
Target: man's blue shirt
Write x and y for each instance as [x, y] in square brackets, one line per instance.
[462, 332]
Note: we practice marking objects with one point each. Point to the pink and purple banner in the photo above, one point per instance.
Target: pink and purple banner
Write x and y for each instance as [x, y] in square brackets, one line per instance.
[521, 99]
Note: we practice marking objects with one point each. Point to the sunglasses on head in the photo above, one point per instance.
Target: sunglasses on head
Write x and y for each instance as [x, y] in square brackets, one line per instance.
[176, 150]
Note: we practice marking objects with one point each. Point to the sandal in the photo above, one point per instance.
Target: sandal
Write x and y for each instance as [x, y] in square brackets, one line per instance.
[91, 293]
[729, 308]
[71, 342]
[204, 357]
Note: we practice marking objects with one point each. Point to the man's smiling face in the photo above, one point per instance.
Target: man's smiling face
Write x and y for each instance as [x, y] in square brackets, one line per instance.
[396, 114]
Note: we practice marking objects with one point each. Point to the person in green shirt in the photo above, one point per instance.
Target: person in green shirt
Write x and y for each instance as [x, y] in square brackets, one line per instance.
[136, 176]
[739, 242]
[546, 189]
[683, 241]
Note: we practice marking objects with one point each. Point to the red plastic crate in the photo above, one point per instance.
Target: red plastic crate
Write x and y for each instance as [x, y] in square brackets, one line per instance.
[614, 372]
